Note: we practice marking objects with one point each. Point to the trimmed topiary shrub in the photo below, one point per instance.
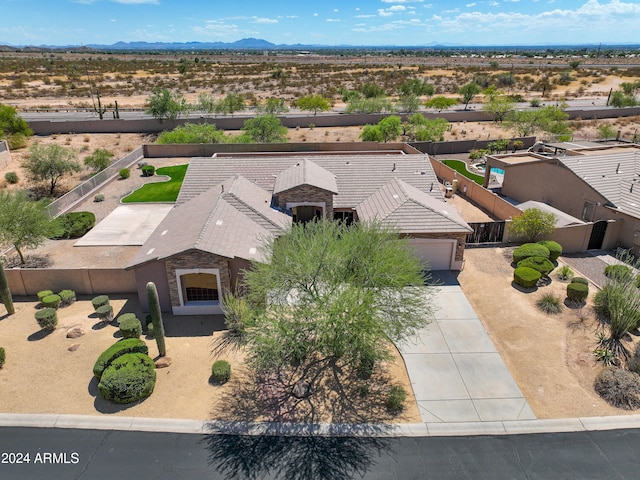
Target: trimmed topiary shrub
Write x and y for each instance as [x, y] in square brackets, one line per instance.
[577, 292]
[2, 357]
[582, 280]
[67, 297]
[620, 388]
[148, 171]
[618, 272]
[99, 301]
[526, 277]
[151, 331]
[51, 301]
[555, 249]
[47, 318]
[44, 293]
[11, 177]
[221, 371]
[124, 173]
[98, 198]
[541, 264]
[530, 250]
[395, 399]
[73, 225]
[129, 345]
[129, 378]
[130, 326]
[105, 313]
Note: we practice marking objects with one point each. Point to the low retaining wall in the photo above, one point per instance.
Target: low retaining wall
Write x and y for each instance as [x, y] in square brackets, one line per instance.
[84, 281]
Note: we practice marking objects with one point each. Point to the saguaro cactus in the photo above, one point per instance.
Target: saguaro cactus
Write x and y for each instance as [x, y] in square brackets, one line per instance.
[156, 317]
[5, 293]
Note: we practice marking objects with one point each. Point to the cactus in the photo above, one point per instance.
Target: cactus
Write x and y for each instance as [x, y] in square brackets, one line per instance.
[100, 110]
[5, 292]
[116, 114]
[156, 317]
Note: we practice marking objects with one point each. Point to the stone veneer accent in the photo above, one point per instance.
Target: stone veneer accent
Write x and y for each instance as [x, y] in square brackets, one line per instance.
[460, 238]
[307, 193]
[196, 259]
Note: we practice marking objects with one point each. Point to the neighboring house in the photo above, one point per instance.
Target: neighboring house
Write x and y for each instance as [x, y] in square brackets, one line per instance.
[229, 204]
[598, 184]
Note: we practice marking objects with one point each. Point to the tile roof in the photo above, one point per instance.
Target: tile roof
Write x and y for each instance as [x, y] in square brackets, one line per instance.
[305, 172]
[411, 210]
[562, 219]
[231, 219]
[615, 175]
[357, 176]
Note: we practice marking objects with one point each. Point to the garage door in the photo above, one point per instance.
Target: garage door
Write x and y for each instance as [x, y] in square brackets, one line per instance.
[439, 253]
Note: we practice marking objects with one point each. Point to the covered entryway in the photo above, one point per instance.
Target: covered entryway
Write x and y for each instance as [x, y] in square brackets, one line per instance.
[597, 235]
[438, 253]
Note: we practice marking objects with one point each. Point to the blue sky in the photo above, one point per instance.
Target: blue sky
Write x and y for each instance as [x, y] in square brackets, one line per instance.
[327, 22]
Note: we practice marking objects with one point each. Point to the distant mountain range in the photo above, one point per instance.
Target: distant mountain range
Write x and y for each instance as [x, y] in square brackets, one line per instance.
[259, 44]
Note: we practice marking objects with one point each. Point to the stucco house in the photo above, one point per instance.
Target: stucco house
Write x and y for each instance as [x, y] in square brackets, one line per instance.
[591, 182]
[230, 203]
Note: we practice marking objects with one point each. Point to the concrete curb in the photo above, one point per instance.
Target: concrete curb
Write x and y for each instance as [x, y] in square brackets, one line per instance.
[200, 427]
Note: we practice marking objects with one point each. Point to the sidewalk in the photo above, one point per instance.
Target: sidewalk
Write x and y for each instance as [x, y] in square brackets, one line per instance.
[455, 370]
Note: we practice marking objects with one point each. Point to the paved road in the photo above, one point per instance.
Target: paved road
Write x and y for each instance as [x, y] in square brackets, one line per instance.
[96, 455]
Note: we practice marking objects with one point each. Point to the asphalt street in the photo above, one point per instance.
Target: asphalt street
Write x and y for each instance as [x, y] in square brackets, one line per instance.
[99, 454]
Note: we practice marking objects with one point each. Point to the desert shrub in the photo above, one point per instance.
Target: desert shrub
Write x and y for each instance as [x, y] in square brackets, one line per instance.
[99, 301]
[148, 171]
[150, 331]
[549, 303]
[44, 293]
[105, 313]
[620, 388]
[236, 311]
[221, 371]
[11, 177]
[541, 264]
[582, 280]
[129, 378]
[98, 198]
[577, 292]
[73, 224]
[47, 318]
[124, 173]
[618, 272]
[530, 250]
[555, 249]
[2, 357]
[395, 398]
[130, 326]
[564, 273]
[526, 277]
[51, 301]
[67, 297]
[605, 297]
[365, 366]
[129, 345]
[142, 163]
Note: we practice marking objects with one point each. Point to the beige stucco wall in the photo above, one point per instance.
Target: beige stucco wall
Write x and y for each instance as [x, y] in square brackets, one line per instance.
[83, 281]
[153, 272]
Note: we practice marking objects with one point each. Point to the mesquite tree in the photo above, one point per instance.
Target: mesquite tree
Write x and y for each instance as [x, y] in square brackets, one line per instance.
[156, 317]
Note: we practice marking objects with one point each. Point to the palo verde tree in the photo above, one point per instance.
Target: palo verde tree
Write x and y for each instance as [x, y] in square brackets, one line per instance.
[99, 159]
[532, 224]
[314, 103]
[499, 106]
[440, 103]
[49, 163]
[13, 128]
[331, 297]
[263, 129]
[23, 222]
[420, 129]
[468, 91]
[164, 104]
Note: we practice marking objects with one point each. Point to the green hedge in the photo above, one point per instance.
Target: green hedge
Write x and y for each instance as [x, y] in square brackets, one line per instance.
[530, 250]
[51, 301]
[47, 318]
[526, 277]
[555, 249]
[129, 378]
[540, 264]
[577, 292]
[99, 301]
[582, 280]
[105, 313]
[128, 345]
[221, 371]
[148, 171]
[44, 293]
[130, 326]
[73, 225]
[67, 297]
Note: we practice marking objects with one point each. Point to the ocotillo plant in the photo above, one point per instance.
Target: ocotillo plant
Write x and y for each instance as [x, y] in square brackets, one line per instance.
[5, 293]
[156, 317]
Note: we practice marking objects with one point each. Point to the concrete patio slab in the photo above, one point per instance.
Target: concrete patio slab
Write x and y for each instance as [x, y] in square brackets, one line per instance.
[126, 225]
[430, 339]
[464, 336]
[435, 377]
[486, 376]
[453, 305]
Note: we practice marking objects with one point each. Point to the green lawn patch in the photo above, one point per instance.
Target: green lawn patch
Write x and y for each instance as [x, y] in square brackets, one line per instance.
[160, 191]
[461, 167]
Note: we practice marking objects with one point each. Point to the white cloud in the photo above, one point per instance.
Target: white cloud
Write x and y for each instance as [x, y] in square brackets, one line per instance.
[264, 20]
[402, 1]
[315, 14]
[365, 16]
[469, 5]
[219, 29]
[335, 10]
[137, 2]
[397, 8]
[333, 20]
[384, 13]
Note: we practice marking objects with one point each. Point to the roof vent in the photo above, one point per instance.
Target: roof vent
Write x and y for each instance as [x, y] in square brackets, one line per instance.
[394, 167]
[617, 169]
